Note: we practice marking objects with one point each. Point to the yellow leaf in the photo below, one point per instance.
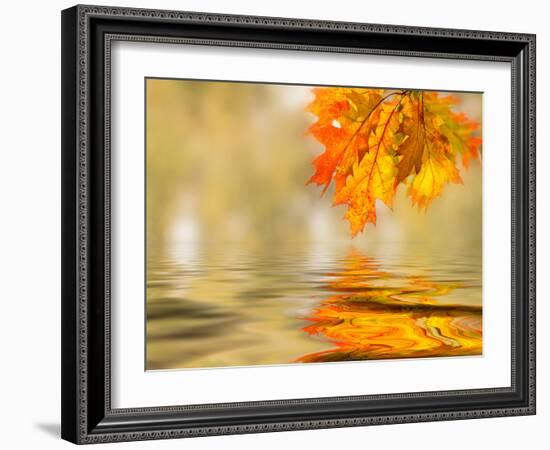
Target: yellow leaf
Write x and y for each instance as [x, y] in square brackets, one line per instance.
[436, 171]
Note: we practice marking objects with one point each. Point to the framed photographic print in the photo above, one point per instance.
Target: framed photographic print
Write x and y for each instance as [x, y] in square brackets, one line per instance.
[281, 224]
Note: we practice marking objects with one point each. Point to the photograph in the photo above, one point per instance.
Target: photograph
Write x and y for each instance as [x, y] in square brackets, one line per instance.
[292, 224]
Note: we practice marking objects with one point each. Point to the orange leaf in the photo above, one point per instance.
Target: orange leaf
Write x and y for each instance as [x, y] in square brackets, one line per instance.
[341, 129]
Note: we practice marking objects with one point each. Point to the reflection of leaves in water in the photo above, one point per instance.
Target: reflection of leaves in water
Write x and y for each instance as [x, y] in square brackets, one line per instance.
[369, 320]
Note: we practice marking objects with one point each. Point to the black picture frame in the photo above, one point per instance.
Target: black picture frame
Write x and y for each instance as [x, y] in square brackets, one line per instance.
[87, 32]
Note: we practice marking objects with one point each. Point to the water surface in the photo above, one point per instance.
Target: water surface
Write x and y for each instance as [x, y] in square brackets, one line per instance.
[219, 307]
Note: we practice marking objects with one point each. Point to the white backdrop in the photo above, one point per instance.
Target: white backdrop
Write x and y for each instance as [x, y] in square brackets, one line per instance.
[30, 234]
[133, 387]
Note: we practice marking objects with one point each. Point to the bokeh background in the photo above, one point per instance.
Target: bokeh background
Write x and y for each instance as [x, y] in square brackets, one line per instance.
[240, 250]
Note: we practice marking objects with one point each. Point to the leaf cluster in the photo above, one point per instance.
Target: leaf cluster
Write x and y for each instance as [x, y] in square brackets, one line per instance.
[376, 139]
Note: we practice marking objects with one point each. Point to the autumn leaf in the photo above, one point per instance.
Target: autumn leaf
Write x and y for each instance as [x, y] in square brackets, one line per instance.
[342, 128]
[436, 170]
[374, 140]
[414, 131]
[373, 176]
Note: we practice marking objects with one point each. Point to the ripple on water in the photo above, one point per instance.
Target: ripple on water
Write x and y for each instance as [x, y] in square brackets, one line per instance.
[220, 310]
